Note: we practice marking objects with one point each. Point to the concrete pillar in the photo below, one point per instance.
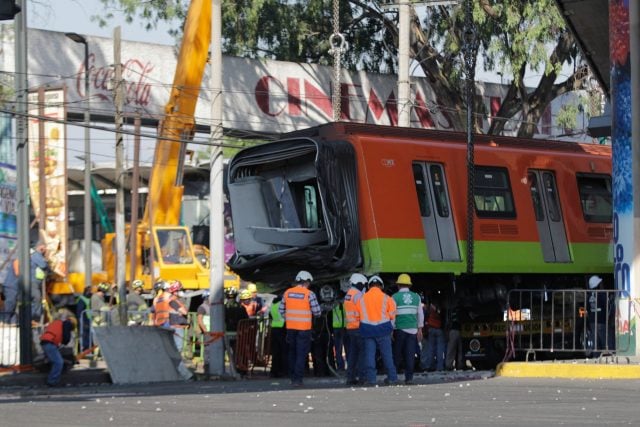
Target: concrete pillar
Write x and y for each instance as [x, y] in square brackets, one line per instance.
[625, 129]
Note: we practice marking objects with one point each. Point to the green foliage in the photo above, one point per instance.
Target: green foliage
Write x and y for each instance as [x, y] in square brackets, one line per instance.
[567, 116]
[513, 36]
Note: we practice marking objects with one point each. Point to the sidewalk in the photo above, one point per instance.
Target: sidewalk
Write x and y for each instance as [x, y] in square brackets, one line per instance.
[608, 367]
[83, 374]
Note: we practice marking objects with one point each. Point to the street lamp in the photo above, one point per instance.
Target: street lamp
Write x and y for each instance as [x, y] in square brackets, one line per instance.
[87, 162]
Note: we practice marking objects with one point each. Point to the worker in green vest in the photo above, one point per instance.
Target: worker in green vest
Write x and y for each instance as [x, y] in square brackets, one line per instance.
[279, 348]
[339, 324]
[407, 328]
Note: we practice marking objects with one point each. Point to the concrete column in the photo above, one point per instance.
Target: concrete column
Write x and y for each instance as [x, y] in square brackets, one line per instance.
[625, 141]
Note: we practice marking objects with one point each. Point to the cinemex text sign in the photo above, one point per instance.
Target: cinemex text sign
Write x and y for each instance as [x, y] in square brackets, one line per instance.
[259, 96]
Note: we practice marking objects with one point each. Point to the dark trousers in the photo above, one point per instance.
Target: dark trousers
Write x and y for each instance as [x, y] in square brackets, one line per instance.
[8, 314]
[338, 346]
[279, 352]
[55, 358]
[383, 345]
[404, 351]
[355, 355]
[299, 345]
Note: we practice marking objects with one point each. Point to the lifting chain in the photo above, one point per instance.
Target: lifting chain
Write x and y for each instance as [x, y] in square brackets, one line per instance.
[338, 48]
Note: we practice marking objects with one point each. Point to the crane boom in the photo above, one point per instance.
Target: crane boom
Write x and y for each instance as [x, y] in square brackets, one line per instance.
[165, 186]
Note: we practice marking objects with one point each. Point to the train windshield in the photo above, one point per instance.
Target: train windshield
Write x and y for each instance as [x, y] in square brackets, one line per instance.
[595, 197]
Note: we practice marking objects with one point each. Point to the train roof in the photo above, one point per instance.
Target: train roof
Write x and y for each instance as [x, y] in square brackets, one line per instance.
[334, 130]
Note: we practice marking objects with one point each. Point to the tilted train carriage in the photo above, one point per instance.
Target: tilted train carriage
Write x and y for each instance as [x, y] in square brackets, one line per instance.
[344, 197]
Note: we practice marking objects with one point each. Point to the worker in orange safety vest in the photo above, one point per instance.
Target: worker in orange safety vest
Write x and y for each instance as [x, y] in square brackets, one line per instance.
[299, 305]
[355, 350]
[377, 311]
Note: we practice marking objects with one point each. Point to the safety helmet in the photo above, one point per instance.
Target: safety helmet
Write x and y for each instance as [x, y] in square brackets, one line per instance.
[231, 292]
[373, 280]
[594, 281]
[104, 286]
[175, 286]
[357, 278]
[404, 279]
[159, 285]
[245, 294]
[304, 276]
[205, 294]
[252, 287]
[136, 284]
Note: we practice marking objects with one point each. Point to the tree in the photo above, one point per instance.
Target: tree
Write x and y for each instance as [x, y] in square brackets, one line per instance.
[516, 37]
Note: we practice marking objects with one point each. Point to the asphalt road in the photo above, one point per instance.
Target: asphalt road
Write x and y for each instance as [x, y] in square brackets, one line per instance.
[479, 400]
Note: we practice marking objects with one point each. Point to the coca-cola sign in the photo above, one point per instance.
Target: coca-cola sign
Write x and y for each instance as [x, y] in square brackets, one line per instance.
[135, 73]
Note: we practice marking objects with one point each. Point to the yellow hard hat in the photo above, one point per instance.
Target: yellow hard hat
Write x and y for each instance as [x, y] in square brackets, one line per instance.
[104, 286]
[246, 294]
[404, 279]
[251, 287]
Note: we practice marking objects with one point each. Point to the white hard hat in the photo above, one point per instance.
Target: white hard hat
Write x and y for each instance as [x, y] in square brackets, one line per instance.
[304, 276]
[357, 278]
[594, 281]
[375, 279]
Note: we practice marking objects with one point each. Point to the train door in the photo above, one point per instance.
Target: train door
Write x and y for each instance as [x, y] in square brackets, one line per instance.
[546, 204]
[435, 210]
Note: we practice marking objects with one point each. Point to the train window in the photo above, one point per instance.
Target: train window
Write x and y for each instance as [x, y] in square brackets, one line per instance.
[311, 206]
[552, 196]
[421, 189]
[492, 193]
[536, 196]
[439, 191]
[306, 211]
[595, 197]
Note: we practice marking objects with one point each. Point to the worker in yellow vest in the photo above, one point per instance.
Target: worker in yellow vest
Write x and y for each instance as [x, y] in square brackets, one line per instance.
[279, 348]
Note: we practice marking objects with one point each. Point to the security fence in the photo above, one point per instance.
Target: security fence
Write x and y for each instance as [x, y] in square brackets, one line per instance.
[575, 322]
[249, 345]
[9, 339]
[247, 348]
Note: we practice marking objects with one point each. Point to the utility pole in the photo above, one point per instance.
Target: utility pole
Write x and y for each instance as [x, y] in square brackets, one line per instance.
[42, 181]
[133, 228]
[120, 231]
[22, 184]
[404, 85]
[216, 196]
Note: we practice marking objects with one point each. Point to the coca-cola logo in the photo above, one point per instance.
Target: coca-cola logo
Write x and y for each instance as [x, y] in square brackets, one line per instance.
[134, 73]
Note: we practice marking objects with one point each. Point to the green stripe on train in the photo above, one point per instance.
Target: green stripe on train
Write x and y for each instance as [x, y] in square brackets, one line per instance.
[410, 256]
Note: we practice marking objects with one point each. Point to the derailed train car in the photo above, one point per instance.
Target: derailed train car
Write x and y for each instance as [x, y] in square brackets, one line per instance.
[345, 197]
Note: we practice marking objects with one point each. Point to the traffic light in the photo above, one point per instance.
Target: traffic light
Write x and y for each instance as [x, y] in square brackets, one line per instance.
[8, 9]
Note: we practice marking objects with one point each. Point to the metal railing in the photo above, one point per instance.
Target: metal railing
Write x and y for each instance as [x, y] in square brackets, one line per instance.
[583, 322]
[9, 339]
[251, 348]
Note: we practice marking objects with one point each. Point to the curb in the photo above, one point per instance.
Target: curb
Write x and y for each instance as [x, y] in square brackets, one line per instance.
[572, 370]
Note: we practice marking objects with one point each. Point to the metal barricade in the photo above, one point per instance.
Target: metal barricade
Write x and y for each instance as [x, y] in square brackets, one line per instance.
[245, 350]
[575, 322]
[263, 343]
[9, 339]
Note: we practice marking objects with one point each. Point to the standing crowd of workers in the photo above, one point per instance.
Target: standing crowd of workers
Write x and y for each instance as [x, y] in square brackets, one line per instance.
[371, 325]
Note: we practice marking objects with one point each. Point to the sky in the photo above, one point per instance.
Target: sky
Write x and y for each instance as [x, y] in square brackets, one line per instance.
[75, 16]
